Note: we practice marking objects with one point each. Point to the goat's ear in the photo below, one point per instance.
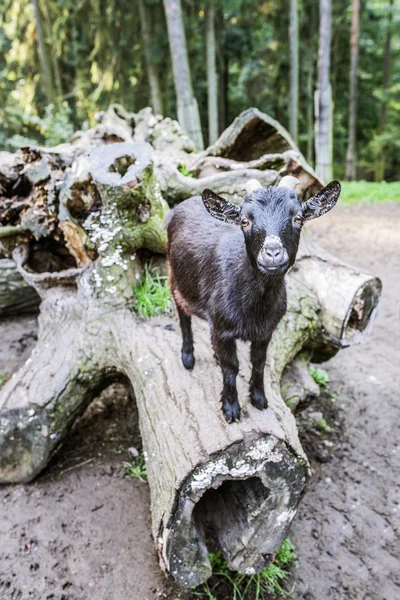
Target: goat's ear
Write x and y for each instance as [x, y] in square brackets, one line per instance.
[322, 202]
[219, 208]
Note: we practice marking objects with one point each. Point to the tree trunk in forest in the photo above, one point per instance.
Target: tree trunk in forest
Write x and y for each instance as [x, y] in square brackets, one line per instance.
[223, 79]
[43, 55]
[79, 221]
[52, 51]
[212, 79]
[323, 112]
[188, 111]
[351, 156]
[152, 75]
[310, 110]
[294, 69]
[380, 161]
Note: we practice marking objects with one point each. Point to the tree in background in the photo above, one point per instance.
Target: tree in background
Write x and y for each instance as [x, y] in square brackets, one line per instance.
[44, 55]
[294, 68]
[152, 74]
[212, 78]
[380, 160]
[354, 43]
[97, 55]
[323, 104]
[188, 111]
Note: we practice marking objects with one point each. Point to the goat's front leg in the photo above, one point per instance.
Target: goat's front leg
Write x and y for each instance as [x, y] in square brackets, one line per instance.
[225, 352]
[258, 355]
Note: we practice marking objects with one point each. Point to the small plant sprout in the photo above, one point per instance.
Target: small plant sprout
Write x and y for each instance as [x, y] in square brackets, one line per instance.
[184, 170]
[136, 469]
[152, 295]
[320, 376]
[323, 426]
[3, 379]
[253, 587]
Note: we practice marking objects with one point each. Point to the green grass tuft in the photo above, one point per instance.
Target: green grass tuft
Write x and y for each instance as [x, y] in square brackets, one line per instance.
[320, 376]
[3, 379]
[152, 295]
[253, 587]
[185, 171]
[136, 469]
[366, 192]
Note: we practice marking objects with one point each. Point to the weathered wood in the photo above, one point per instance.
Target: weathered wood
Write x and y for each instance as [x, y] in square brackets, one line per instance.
[348, 308]
[16, 296]
[297, 385]
[254, 134]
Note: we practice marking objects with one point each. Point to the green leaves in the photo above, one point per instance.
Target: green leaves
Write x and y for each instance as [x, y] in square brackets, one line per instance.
[320, 376]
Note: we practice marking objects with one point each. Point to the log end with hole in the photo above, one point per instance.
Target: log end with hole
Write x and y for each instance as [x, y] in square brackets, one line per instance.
[242, 501]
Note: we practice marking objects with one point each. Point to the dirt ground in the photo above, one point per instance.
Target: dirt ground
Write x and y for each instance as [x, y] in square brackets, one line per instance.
[81, 531]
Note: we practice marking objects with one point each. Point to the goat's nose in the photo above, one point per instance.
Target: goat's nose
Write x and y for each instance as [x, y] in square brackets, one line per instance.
[273, 250]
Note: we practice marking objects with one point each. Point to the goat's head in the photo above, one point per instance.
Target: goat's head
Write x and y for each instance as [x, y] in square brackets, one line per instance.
[271, 220]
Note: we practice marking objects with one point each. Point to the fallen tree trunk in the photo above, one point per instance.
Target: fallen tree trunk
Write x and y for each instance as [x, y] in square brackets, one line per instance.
[79, 231]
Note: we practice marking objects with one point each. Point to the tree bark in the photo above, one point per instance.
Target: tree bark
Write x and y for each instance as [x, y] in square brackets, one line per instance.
[380, 161]
[16, 297]
[294, 69]
[323, 112]
[52, 51]
[152, 75]
[188, 111]
[43, 55]
[310, 111]
[212, 78]
[223, 80]
[351, 156]
[254, 135]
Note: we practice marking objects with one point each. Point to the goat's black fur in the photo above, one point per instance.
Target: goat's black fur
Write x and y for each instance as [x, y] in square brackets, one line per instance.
[232, 275]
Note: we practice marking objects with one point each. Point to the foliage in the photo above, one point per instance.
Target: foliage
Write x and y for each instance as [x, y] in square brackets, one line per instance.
[319, 375]
[253, 587]
[53, 128]
[152, 295]
[366, 192]
[96, 57]
[136, 469]
[3, 379]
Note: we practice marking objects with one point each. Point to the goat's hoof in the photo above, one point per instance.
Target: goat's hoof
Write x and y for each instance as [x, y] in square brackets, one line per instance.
[258, 399]
[231, 411]
[188, 360]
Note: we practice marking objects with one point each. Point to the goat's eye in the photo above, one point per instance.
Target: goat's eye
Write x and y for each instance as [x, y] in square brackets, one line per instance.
[244, 222]
[297, 219]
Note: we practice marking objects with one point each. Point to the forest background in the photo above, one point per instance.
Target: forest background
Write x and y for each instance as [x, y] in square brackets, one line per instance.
[63, 61]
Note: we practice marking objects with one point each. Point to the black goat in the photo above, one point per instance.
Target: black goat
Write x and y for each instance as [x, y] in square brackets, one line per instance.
[227, 266]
